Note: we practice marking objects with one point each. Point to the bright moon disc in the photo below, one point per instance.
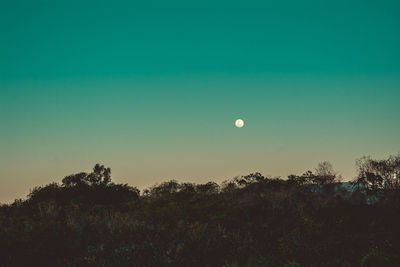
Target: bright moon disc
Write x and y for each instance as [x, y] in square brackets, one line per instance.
[239, 123]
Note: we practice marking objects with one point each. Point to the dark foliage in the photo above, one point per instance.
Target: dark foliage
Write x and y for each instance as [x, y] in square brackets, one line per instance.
[307, 220]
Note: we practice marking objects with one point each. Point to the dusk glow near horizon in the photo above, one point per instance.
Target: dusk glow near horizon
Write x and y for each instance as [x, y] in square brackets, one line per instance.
[155, 90]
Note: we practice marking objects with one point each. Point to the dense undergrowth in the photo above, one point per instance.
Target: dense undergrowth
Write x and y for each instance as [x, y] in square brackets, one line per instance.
[307, 220]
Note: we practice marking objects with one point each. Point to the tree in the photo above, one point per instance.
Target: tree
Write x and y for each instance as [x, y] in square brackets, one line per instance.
[304, 179]
[378, 174]
[208, 188]
[324, 173]
[251, 178]
[99, 176]
[78, 179]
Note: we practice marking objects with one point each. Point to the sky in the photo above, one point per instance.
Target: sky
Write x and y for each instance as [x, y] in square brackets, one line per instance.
[152, 88]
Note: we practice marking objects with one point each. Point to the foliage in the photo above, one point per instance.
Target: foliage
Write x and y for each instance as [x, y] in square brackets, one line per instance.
[375, 258]
[379, 174]
[306, 220]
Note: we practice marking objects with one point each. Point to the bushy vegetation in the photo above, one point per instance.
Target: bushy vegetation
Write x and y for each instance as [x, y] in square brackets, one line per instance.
[306, 220]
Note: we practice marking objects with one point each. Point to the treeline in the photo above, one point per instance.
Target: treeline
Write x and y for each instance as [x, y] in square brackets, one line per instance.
[305, 220]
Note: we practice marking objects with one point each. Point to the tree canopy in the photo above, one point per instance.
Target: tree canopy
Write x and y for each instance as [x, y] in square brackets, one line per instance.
[312, 219]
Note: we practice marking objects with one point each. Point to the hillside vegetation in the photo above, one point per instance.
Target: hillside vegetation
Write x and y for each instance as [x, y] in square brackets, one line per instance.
[305, 220]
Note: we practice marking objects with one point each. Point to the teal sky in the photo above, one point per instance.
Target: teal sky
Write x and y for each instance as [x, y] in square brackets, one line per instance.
[152, 88]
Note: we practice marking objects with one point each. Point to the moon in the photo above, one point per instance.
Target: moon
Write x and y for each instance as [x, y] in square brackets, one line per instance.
[239, 123]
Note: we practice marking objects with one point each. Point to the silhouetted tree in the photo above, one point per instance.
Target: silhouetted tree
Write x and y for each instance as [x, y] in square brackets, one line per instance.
[99, 176]
[304, 179]
[378, 174]
[252, 220]
[324, 173]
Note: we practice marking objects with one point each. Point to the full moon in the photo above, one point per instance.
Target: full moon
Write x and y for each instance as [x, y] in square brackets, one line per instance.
[239, 123]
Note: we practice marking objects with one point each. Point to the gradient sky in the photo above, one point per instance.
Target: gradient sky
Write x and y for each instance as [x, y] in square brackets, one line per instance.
[152, 88]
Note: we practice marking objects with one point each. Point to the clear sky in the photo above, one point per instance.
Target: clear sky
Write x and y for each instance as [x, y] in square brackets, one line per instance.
[152, 88]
